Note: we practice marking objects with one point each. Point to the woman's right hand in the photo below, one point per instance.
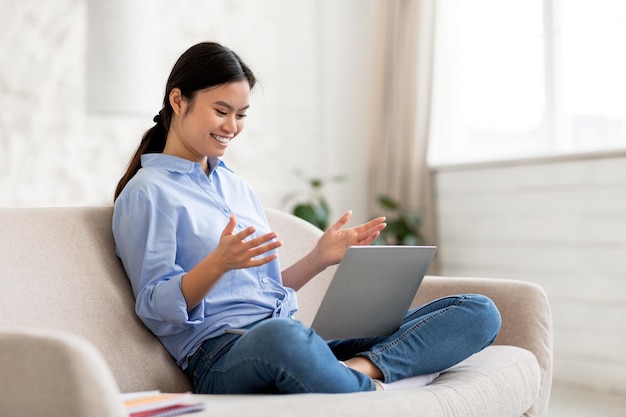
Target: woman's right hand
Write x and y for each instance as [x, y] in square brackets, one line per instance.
[235, 252]
[232, 252]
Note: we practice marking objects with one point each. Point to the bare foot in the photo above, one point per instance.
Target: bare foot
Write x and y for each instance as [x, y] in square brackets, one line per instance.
[365, 366]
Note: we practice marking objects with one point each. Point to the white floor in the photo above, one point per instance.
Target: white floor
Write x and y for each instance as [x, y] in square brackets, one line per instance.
[570, 402]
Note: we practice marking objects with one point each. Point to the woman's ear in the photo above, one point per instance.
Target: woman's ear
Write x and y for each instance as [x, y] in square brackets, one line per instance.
[177, 101]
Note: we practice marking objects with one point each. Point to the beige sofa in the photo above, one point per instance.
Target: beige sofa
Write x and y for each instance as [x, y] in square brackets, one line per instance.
[70, 341]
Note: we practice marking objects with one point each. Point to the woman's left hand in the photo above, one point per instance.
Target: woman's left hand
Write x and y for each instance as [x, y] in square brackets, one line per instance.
[336, 240]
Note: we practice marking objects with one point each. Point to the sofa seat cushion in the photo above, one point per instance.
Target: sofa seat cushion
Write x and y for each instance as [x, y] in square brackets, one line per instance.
[500, 381]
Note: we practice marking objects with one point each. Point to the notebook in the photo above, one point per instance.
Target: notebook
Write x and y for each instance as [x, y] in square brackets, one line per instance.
[371, 291]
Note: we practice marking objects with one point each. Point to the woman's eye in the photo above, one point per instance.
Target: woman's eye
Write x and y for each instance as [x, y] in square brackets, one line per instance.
[241, 116]
[221, 113]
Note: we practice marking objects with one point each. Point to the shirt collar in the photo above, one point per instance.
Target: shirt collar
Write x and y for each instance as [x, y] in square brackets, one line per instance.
[175, 164]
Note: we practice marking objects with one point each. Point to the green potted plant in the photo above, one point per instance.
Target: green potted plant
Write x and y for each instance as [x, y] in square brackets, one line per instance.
[311, 205]
[402, 225]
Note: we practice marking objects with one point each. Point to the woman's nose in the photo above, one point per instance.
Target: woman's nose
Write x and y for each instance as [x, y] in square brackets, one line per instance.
[230, 125]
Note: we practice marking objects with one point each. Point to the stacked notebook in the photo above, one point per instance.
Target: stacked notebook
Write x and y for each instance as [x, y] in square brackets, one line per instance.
[158, 404]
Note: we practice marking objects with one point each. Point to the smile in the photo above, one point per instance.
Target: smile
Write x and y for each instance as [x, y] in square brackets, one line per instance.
[221, 139]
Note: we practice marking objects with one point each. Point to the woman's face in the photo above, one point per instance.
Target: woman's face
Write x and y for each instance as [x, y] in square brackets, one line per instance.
[204, 126]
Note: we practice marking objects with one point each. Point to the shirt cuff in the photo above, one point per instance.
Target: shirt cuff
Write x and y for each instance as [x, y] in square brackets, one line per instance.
[171, 305]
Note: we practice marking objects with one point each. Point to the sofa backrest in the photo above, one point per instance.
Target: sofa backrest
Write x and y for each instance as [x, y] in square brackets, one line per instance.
[59, 271]
[298, 238]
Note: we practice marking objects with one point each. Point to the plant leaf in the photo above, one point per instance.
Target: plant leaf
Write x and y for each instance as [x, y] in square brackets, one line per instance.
[412, 220]
[387, 202]
[305, 212]
[316, 182]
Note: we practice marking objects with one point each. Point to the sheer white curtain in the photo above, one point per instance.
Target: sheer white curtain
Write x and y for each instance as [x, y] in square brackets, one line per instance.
[401, 107]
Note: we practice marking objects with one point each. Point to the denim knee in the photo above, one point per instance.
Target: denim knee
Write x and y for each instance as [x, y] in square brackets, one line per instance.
[487, 319]
[279, 336]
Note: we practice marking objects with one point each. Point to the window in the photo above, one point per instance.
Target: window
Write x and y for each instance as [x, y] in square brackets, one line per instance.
[522, 78]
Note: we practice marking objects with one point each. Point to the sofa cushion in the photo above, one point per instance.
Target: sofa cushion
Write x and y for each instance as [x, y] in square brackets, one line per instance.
[60, 272]
[497, 382]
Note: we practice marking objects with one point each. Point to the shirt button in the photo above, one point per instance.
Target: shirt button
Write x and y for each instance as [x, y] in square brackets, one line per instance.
[264, 280]
[226, 210]
[239, 225]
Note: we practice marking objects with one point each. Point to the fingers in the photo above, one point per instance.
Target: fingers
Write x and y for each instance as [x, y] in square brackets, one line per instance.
[372, 227]
[230, 227]
[368, 240]
[255, 249]
[374, 223]
[261, 261]
[378, 223]
[343, 220]
[262, 244]
[363, 234]
[237, 252]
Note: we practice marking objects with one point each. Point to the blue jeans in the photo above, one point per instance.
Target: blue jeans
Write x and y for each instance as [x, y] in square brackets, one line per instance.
[281, 355]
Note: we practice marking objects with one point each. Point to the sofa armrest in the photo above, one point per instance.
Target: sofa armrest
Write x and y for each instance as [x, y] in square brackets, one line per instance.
[50, 373]
[526, 316]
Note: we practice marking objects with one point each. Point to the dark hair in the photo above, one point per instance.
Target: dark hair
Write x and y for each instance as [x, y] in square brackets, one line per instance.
[205, 65]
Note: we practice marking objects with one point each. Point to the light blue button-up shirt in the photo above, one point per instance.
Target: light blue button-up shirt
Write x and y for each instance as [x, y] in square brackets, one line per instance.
[167, 219]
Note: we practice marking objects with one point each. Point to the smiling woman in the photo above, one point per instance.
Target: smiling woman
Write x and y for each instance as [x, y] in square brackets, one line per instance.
[205, 126]
[203, 264]
[202, 68]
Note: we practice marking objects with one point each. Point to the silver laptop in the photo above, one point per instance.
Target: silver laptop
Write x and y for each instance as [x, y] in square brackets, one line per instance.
[371, 291]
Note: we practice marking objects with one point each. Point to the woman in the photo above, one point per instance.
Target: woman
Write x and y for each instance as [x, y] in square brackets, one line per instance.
[202, 260]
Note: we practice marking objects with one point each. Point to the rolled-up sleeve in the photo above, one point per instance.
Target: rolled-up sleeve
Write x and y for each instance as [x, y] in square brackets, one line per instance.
[145, 240]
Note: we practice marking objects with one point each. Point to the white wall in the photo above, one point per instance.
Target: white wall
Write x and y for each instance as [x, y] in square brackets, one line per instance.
[559, 222]
[307, 111]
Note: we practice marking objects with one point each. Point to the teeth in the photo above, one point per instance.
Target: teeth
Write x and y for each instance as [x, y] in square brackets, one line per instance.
[221, 139]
